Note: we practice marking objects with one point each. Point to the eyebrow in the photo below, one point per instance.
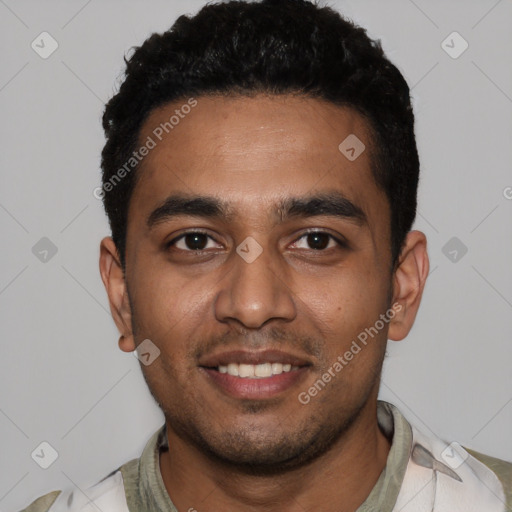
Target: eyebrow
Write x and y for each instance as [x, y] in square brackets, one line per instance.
[332, 204]
[194, 206]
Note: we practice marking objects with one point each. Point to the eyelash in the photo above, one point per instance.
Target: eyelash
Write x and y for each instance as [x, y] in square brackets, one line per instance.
[171, 243]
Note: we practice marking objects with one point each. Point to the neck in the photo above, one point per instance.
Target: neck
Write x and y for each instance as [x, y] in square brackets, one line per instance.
[340, 480]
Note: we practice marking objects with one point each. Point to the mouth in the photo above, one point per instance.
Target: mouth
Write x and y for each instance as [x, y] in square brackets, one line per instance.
[256, 371]
[254, 375]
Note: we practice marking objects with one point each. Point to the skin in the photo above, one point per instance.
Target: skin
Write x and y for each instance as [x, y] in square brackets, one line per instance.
[275, 453]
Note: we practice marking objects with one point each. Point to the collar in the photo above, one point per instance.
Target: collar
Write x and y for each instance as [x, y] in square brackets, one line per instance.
[146, 492]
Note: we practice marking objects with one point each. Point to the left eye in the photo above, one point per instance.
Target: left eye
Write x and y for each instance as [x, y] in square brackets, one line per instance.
[317, 241]
[194, 241]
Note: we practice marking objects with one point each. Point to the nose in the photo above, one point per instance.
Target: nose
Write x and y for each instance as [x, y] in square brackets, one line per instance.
[255, 291]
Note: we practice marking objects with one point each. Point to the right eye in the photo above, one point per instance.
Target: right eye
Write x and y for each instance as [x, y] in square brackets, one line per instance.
[192, 241]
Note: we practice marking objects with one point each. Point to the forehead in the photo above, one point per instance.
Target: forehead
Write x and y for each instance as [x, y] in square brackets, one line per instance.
[251, 151]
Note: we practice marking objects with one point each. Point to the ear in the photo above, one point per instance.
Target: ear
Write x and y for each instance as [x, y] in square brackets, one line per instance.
[114, 281]
[408, 284]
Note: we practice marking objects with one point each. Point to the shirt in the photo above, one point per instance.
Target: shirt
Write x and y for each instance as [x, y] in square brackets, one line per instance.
[422, 474]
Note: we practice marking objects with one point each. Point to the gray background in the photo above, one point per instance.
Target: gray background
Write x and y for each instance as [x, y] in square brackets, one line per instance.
[64, 380]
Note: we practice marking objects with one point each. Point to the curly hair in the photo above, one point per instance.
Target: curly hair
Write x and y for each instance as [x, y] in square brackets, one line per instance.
[273, 47]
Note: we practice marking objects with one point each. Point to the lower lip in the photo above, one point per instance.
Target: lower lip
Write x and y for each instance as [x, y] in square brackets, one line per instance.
[255, 389]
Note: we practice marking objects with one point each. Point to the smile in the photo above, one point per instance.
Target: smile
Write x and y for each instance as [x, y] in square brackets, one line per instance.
[256, 371]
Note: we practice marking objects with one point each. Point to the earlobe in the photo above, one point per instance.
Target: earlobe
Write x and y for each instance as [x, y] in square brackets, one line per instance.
[114, 281]
[126, 344]
[408, 284]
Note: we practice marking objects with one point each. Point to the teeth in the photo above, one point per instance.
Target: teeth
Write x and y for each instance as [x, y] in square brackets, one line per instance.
[263, 370]
[277, 368]
[246, 370]
[232, 369]
[256, 371]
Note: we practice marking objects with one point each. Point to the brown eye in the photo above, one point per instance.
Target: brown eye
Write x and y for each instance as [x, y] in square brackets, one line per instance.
[317, 240]
[192, 241]
[195, 241]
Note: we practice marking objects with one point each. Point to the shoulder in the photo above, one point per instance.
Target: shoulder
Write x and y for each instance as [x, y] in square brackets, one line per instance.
[113, 492]
[43, 503]
[452, 477]
[107, 494]
[501, 468]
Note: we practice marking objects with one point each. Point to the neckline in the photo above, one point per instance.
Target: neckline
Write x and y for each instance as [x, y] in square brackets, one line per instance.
[153, 494]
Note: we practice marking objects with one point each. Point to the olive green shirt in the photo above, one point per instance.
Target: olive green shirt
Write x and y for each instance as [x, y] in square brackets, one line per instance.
[422, 474]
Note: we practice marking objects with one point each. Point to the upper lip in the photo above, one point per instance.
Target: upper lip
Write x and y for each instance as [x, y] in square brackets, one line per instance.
[251, 357]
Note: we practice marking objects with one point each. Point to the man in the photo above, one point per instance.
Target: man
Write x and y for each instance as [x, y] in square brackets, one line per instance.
[260, 177]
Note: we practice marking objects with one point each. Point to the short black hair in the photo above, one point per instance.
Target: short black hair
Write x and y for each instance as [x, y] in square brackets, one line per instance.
[272, 47]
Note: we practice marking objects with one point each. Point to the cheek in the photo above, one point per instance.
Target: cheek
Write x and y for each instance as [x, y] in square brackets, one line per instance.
[164, 306]
[345, 313]
[347, 298]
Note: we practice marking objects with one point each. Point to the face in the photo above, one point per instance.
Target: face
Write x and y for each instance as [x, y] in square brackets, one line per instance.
[255, 246]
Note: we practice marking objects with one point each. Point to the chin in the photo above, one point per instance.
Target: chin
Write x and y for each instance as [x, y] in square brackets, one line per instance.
[270, 453]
